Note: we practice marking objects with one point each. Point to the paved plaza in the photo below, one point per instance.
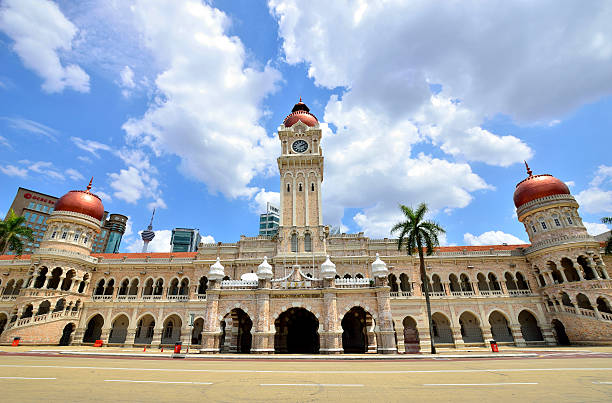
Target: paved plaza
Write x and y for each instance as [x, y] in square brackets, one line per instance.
[555, 375]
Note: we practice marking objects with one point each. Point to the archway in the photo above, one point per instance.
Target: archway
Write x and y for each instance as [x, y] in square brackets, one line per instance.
[8, 290]
[470, 328]
[94, 329]
[441, 329]
[54, 282]
[411, 336]
[603, 305]
[66, 334]
[393, 282]
[499, 327]
[43, 308]
[482, 282]
[571, 274]
[118, 331]
[123, 288]
[354, 334]
[529, 326]
[493, 283]
[39, 282]
[296, 332]
[196, 333]
[560, 333]
[583, 302]
[172, 330]
[27, 312]
[436, 284]
[589, 274]
[67, 282]
[236, 335]
[144, 330]
[404, 282]
[454, 283]
[3, 320]
[203, 285]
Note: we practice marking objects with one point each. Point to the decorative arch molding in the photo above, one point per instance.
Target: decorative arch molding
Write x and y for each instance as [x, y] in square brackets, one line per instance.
[237, 305]
[359, 304]
[477, 316]
[541, 320]
[501, 312]
[147, 313]
[298, 304]
[117, 315]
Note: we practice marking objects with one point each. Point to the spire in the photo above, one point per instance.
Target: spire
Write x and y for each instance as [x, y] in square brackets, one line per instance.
[89, 186]
[529, 172]
[148, 234]
[300, 98]
[150, 227]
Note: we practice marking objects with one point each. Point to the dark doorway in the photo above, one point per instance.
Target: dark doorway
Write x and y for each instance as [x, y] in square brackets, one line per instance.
[560, 333]
[296, 332]
[236, 337]
[354, 336]
[94, 329]
[68, 329]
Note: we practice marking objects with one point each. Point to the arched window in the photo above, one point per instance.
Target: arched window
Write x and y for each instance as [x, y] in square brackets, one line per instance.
[294, 243]
[312, 187]
[288, 188]
[299, 187]
[307, 243]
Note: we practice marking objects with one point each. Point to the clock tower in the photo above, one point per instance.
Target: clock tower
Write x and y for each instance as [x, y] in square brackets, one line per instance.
[300, 164]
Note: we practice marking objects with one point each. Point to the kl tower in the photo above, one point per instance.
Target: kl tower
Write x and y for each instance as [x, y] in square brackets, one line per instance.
[148, 234]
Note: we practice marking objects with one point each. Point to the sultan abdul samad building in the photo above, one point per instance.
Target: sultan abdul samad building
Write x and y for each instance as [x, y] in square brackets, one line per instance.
[307, 291]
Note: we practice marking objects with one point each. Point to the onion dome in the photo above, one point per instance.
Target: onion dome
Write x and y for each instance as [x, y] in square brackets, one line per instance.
[328, 269]
[537, 186]
[83, 202]
[217, 271]
[264, 270]
[379, 268]
[302, 113]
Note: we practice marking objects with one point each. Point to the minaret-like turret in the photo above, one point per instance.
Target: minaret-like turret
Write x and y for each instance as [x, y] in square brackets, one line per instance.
[148, 234]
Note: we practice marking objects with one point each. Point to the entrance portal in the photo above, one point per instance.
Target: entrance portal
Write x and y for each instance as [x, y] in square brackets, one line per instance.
[236, 337]
[559, 329]
[68, 329]
[354, 335]
[296, 332]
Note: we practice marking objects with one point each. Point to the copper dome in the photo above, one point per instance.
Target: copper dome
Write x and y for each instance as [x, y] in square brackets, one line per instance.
[81, 201]
[537, 186]
[302, 113]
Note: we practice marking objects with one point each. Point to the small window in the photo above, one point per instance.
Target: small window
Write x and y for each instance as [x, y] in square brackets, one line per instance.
[533, 228]
[31, 205]
[288, 188]
[569, 220]
[543, 225]
[557, 222]
[64, 235]
[39, 207]
[40, 219]
[86, 239]
[312, 187]
[33, 218]
[26, 215]
[54, 234]
[77, 235]
[294, 243]
[307, 243]
[300, 187]
[45, 209]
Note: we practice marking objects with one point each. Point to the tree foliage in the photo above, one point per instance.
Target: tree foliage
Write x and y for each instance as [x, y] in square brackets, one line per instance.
[13, 234]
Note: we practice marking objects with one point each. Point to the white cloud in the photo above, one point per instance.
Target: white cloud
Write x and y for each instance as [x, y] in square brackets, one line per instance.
[103, 195]
[209, 100]
[208, 239]
[512, 64]
[4, 142]
[84, 159]
[161, 242]
[595, 228]
[259, 202]
[595, 200]
[491, 238]
[127, 77]
[42, 34]
[12, 170]
[129, 185]
[31, 126]
[603, 175]
[90, 146]
[74, 174]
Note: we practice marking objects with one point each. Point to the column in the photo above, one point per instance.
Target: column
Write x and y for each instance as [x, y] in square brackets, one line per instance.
[486, 333]
[502, 286]
[185, 336]
[212, 332]
[399, 332]
[263, 338]
[597, 313]
[130, 337]
[47, 279]
[580, 274]
[105, 335]
[424, 339]
[386, 334]
[519, 341]
[77, 340]
[548, 336]
[475, 288]
[157, 336]
[548, 278]
[457, 337]
[331, 337]
[61, 281]
[560, 268]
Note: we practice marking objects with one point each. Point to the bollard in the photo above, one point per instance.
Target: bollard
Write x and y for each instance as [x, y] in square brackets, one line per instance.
[98, 343]
[16, 341]
[177, 347]
[494, 347]
[144, 349]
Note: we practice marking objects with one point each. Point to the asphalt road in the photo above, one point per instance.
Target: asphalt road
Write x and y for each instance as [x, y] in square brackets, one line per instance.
[49, 378]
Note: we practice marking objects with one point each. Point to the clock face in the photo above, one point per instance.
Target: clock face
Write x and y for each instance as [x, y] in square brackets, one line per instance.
[299, 146]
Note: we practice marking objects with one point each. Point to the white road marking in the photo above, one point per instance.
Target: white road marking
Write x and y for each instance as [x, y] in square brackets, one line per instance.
[313, 384]
[480, 384]
[21, 377]
[603, 383]
[424, 371]
[145, 381]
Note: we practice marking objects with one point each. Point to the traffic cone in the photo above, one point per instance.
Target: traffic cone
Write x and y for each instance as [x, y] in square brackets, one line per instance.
[144, 349]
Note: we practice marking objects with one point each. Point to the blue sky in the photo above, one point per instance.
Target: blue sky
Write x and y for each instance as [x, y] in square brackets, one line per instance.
[175, 105]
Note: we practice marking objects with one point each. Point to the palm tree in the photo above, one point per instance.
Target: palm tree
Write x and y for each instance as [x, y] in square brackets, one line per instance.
[608, 220]
[12, 233]
[415, 233]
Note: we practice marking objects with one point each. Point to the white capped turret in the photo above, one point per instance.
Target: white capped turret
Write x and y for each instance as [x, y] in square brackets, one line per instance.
[379, 268]
[217, 271]
[328, 269]
[264, 270]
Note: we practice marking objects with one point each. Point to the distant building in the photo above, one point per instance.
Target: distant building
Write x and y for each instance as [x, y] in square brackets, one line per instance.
[269, 221]
[185, 240]
[36, 208]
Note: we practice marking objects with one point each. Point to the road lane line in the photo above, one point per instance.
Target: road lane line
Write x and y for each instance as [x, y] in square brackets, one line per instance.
[349, 385]
[249, 371]
[480, 384]
[22, 377]
[146, 381]
[603, 383]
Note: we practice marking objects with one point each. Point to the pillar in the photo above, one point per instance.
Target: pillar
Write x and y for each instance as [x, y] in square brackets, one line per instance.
[157, 336]
[263, 338]
[424, 339]
[486, 333]
[130, 336]
[457, 337]
[399, 332]
[77, 340]
[331, 337]
[211, 334]
[105, 335]
[47, 279]
[386, 334]
[519, 341]
[547, 334]
[560, 268]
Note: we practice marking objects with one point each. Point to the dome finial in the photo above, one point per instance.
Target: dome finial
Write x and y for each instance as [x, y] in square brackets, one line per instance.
[89, 186]
[300, 98]
[529, 172]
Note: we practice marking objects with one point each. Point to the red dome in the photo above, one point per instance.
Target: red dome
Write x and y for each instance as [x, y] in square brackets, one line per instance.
[302, 113]
[537, 186]
[81, 201]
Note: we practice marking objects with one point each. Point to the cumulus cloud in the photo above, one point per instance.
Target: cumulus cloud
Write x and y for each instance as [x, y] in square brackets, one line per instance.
[595, 228]
[259, 202]
[595, 200]
[127, 77]
[161, 242]
[491, 238]
[209, 99]
[41, 35]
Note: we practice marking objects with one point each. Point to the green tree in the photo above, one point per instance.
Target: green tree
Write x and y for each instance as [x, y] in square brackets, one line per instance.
[416, 234]
[608, 220]
[13, 234]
